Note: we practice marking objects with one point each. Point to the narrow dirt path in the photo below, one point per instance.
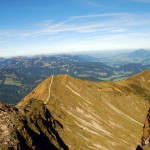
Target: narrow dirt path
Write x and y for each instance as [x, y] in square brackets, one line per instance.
[49, 90]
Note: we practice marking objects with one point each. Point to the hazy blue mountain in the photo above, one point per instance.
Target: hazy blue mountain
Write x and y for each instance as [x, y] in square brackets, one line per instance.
[133, 67]
[139, 56]
[2, 59]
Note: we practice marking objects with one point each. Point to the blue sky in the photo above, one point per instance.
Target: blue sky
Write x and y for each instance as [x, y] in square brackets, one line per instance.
[30, 27]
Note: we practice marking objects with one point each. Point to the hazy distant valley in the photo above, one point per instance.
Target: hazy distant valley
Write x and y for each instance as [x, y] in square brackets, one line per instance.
[19, 75]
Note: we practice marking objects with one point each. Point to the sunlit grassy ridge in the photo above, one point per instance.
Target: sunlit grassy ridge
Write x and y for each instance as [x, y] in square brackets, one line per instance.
[96, 115]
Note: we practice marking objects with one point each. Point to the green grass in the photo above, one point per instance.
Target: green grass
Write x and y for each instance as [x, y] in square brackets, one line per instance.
[83, 75]
[10, 81]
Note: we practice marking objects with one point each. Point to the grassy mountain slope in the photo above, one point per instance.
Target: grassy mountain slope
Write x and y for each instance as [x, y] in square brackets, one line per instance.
[96, 115]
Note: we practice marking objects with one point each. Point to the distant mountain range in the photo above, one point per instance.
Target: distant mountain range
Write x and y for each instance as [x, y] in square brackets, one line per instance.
[139, 56]
[65, 113]
[1, 58]
[19, 75]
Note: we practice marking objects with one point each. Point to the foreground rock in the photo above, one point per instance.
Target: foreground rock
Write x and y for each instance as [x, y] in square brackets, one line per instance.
[32, 127]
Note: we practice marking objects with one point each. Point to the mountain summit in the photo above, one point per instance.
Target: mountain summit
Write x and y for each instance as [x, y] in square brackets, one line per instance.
[67, 113]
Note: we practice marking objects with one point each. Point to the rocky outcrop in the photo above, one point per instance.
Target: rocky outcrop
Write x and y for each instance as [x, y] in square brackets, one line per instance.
[7, 125]
[145, 140]
[31, 127]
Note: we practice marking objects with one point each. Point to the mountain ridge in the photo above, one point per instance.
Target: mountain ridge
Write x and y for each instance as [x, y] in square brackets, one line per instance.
[89, 115]
[20, 75]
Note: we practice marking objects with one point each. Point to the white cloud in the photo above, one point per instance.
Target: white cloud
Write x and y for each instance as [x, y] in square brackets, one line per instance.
[98, 15]
[88, 32]
[111, 23]
[79, 24]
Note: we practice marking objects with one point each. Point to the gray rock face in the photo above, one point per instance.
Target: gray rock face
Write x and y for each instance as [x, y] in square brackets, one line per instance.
[7, 125]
